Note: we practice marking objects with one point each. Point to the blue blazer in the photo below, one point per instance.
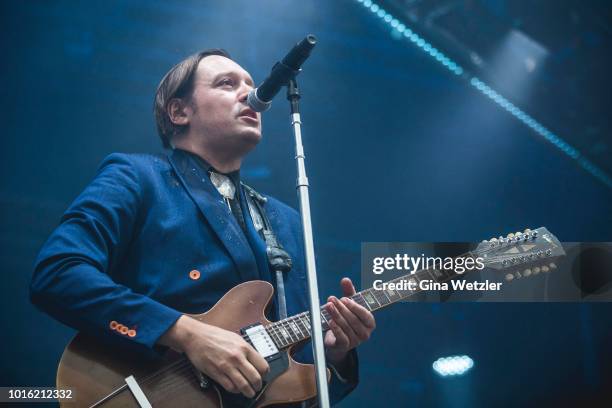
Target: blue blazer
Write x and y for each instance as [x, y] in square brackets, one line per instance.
[150, 238]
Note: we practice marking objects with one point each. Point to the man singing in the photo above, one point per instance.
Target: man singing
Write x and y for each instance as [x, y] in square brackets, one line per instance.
[153, 237]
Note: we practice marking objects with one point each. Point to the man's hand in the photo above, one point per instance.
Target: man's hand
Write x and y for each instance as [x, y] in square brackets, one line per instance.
[222, 355]
[351, 324]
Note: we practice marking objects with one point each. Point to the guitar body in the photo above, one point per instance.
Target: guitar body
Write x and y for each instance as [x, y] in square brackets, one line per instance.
[96, 371]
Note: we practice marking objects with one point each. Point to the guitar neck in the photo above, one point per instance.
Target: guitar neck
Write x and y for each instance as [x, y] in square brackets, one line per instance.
[297, 328]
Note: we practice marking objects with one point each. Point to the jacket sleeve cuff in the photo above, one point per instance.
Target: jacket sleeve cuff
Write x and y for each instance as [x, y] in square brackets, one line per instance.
[343, 382]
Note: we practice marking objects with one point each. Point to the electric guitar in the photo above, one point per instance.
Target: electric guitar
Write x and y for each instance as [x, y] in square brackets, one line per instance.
[103, 377]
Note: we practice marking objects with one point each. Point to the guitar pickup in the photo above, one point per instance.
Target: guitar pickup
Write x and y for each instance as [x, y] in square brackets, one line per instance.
[261, 340]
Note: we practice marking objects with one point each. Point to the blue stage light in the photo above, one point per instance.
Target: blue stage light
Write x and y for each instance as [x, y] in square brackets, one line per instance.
[453, 365]
[487, 91]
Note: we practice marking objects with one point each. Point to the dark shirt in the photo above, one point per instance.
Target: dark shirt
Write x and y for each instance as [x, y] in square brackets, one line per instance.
[234, 176]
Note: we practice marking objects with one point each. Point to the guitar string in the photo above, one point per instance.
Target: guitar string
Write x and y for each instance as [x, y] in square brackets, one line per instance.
[184, 364]
[276, 328]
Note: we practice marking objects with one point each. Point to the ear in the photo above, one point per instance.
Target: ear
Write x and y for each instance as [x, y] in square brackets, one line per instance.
[179, 112]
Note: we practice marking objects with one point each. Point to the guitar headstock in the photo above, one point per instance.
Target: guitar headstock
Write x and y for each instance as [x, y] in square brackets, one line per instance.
[530, 251]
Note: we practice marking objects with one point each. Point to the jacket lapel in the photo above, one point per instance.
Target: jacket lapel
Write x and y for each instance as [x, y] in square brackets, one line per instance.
[216, 212]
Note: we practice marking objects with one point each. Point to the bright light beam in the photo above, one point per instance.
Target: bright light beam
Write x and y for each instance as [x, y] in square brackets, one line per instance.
[519, 114]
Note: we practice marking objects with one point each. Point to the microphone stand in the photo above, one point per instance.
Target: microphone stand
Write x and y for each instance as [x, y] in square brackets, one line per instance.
[293, 96]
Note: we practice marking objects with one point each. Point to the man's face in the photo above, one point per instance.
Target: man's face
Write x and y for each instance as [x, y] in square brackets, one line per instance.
[218, 112]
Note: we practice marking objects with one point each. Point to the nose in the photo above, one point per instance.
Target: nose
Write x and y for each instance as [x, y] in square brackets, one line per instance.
[244, 92]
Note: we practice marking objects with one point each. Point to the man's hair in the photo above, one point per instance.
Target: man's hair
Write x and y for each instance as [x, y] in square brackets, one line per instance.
[177, 83]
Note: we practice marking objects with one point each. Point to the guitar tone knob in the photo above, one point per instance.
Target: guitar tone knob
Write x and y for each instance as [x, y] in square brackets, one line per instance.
[518, 275]
[536, 270]
[527, 231]
[509, 277]
[527, 272]
[545, 268]
[510, 235]
[552, 265]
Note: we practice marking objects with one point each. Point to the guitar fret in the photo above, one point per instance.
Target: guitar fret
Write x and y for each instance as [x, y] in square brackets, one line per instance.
[290, 329]
[276, 335]
[283, 330]
[306, 322]
[438, 275]
[393, 295]
[296, 328]
[360, 300]
[302, 326]
[272, 332]
[325, 317]
[379, 297]
[371, 300]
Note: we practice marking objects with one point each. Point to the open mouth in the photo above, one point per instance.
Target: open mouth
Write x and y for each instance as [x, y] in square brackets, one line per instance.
[249, 114]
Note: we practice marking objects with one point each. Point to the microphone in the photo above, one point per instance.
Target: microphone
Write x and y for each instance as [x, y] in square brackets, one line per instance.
[260, 99]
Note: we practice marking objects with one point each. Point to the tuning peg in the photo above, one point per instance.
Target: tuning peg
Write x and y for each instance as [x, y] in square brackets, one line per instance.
[545, 268]
[509, 277]
[510, 235]
[536, 270]
[527, 231]
[552, 265]
[527, 272]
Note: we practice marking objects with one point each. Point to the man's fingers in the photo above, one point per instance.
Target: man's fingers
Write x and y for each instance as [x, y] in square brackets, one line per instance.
[240, 382]
[347, 314]
[347, 287]
[361, 312]
[224, 381]
[251, 374]
[341, 321]
[342, 339]
[361, 332]
[260, 364]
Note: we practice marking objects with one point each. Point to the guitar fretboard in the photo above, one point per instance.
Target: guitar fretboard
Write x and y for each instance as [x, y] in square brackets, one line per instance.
[294, 329]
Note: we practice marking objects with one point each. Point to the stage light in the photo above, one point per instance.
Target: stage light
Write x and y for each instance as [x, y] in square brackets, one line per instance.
[504, 103]
[453, 365]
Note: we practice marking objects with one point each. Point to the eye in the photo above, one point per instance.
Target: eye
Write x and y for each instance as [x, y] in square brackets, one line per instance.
[226, 82]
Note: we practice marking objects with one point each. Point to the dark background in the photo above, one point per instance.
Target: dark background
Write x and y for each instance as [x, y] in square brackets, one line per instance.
[398, 149]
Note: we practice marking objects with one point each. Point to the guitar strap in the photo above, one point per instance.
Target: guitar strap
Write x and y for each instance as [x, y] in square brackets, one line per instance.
[278, 259]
